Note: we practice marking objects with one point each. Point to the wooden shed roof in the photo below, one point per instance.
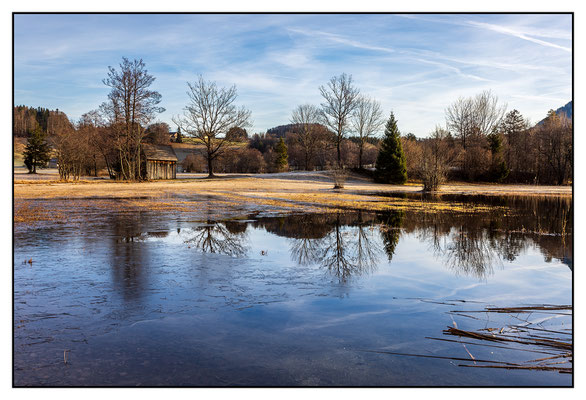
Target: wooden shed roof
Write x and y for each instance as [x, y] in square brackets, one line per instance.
[158, 152]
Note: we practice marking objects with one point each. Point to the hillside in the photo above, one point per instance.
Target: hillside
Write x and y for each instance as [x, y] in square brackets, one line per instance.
[567, 109]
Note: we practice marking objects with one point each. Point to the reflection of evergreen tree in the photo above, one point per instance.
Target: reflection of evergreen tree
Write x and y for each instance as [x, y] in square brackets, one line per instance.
[390, 230]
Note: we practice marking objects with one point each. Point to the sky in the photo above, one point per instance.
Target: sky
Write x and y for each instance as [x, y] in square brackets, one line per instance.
[416, 65]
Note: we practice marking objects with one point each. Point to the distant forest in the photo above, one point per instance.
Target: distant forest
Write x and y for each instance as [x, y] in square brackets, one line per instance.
[26, 119]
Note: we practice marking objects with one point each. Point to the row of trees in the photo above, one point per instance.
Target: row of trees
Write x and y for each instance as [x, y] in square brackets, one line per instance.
[483, 142]
[480, 140]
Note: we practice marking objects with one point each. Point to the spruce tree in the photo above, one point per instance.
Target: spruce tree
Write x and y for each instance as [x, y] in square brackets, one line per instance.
[391, 166]
[179, 137]
[281, 161]
[37, 152]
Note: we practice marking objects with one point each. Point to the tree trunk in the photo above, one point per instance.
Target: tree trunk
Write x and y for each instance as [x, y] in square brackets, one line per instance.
[210, 167]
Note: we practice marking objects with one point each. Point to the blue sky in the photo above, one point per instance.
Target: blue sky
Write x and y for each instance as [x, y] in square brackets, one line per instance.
[415, 65]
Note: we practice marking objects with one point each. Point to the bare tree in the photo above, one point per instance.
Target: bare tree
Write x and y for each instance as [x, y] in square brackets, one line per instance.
[472, 116]
[209, 116]
[71, 148]
[488, 114]
[306, 117]
[158, 133]
[435, 160]
[367, 118]
[101, 139]
[340, 97]
[130, 107]
[554, 146]
[459, 119]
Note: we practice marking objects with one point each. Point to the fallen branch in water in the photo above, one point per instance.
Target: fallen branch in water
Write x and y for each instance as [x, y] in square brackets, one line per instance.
[534, 341]
[562, 370]
[438, 357]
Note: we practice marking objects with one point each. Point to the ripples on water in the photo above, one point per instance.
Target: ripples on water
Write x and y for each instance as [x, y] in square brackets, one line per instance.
[154, 299]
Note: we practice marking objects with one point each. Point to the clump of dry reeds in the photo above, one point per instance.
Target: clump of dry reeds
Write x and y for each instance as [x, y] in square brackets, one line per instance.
[526, 336]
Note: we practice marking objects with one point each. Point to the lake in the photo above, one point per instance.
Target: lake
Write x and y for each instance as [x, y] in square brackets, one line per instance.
[148, 298]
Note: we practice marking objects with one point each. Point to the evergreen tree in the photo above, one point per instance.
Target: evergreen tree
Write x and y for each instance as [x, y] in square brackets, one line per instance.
[179, 138]
[391, 165]
[498, 170]
[37, 152]
[281, 161]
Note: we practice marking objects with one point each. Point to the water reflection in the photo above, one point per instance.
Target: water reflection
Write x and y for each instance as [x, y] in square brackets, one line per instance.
[129, 260]
[221, 238]
[390, 230]
[145, 303]
[353, 243]
[471, 244]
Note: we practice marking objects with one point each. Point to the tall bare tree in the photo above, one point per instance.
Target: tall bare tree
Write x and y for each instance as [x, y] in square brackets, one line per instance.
[210, 114]
[340, 97]
[306, 117]
[366, 119]
[554, 146]
[131, 106]
[488, 113]
[472, 116]
[459, 119]
[435, 161]
[101, 140]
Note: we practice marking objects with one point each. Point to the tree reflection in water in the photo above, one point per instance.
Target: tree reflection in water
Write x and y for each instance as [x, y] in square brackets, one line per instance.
[471, 253]
[390, 230]
[220, 238]
[469, 243]
[348, 246]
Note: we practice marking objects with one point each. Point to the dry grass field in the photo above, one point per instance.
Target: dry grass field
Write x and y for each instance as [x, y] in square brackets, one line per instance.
[282, 192]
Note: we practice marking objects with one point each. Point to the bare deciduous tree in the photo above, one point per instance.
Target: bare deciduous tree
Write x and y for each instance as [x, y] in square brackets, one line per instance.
[477, 115]
[306, 117]
[101, 140]
[158, 133]
[435, 160]
[459, 119]
[71, 147]
[209, 116]
[130, 107]
[366, 120]
[488, 114]
[340, 97]
[554, 146]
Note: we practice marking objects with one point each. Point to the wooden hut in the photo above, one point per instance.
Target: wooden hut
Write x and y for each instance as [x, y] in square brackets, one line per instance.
[160, 161]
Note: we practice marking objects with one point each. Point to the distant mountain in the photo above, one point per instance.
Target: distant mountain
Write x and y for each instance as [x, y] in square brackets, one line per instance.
[567, 109]
[282, 130]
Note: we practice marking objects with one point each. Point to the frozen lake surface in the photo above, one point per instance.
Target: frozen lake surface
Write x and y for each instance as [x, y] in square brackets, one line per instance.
[148, 298]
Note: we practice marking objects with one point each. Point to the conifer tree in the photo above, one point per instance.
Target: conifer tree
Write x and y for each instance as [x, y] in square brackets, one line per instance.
[281, 161]
[37, 152]
[179, 137]
[391, 165]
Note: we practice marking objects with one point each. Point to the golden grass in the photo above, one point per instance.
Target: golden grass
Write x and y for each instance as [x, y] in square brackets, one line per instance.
[292, 192]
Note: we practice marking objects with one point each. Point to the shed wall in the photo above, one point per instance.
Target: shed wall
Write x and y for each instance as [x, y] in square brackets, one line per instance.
[161, 169]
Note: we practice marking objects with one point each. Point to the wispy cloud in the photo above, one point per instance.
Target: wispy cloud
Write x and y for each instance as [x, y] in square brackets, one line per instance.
[343, 40]
[516, 33]
[415, 65]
